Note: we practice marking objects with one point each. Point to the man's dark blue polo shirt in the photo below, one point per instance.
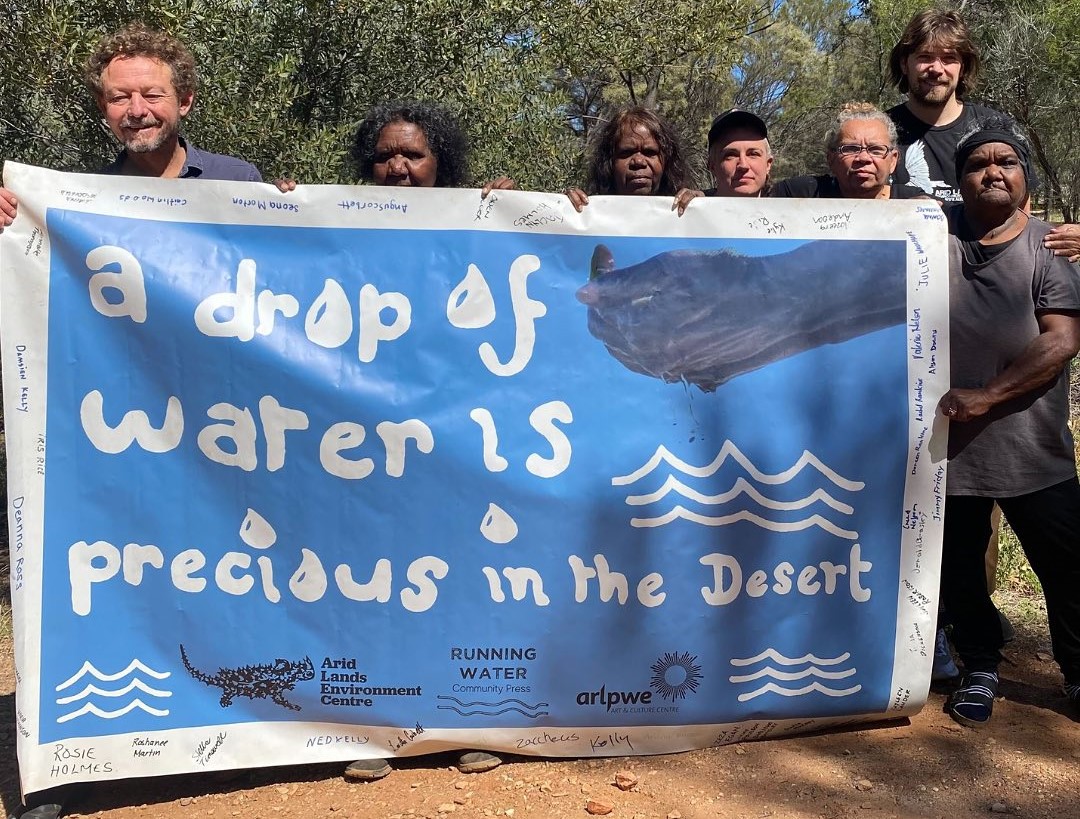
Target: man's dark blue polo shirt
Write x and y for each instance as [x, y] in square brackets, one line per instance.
[203, 165]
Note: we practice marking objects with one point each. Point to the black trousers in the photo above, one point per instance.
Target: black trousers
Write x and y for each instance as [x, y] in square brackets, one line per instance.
[1047, 523]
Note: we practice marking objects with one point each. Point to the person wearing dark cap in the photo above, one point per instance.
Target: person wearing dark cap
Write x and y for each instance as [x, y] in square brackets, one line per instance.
[1014, 327]
[740, 158]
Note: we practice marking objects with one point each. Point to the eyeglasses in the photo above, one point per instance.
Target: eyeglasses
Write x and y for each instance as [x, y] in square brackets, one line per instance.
[876, 151]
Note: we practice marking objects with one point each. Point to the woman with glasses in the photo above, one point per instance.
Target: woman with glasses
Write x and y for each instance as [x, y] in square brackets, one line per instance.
[861, 153]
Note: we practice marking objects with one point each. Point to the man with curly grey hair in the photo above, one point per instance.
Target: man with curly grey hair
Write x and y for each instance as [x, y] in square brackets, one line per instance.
[144, 82]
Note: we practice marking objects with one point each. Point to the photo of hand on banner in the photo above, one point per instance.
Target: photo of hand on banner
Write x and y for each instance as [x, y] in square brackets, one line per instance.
[704, 317]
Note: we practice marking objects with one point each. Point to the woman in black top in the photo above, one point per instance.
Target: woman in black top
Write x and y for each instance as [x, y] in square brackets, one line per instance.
[861, 153]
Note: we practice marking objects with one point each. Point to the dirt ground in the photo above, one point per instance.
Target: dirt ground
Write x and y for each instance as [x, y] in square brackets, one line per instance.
[1025, 763]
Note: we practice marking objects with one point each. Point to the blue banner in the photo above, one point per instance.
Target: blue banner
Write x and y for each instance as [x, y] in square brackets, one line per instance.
[358, 472]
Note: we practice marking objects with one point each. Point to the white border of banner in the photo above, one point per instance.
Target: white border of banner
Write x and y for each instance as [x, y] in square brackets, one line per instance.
[24, 268]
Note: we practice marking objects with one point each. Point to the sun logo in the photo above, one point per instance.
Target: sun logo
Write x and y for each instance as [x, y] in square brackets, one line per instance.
[674, 675]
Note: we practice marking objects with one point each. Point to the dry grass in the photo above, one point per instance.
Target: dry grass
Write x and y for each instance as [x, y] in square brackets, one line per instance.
[1018, 587]
[1019, 592]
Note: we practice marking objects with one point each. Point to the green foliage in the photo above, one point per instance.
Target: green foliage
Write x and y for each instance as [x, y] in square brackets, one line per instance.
[283, 84]
[1031, 70]
[1013, 570]
[840, 58]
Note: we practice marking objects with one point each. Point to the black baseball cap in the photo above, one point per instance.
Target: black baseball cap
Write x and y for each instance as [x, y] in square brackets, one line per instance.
[737, 118]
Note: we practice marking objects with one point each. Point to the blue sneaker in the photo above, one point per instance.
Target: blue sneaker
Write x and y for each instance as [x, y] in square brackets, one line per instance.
[944, 667]
[972, 704]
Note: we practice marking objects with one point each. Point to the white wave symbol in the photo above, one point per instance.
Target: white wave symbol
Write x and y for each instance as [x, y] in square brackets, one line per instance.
[741, 487]
[662, 455]
[764, 523]
[105, 692]
[134, 665]
[788, 676]
[791, 676]
[90, 708]
[91, 689]
[777, 657]
[772, 688]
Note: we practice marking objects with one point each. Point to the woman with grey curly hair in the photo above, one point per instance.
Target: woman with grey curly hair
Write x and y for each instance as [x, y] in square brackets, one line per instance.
[420, 145]
[412, 143]
[860, 149]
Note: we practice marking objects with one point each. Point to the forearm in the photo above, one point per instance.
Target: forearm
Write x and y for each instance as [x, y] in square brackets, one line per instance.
[1039, 363]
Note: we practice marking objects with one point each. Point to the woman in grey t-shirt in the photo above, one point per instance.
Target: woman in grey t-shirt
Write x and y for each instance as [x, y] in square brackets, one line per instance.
[1014, 327]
